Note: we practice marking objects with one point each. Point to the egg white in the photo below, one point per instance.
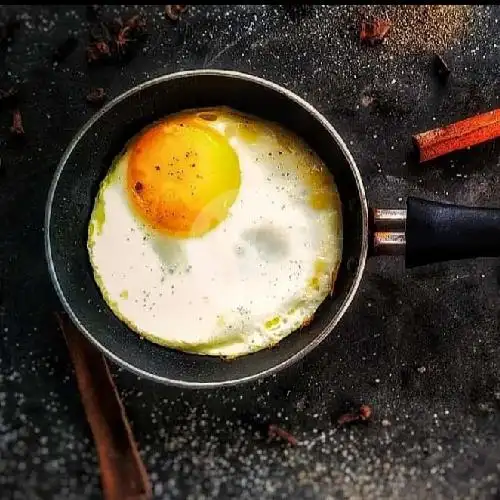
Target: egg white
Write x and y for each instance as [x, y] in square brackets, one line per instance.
[254, 279]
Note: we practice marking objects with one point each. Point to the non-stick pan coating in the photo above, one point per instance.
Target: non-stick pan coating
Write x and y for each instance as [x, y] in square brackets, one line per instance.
[85, 164]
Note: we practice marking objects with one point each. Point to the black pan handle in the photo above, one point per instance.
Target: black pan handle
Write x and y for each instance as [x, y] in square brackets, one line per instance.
[436, 232]
[428, 232]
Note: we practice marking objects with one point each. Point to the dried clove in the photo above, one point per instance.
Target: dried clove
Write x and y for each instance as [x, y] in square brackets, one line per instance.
[136, 23]
[173, 12]
[17, 123]
[122, 40]
[96, 96]
[374, 32]
[92, 54]
[114, 40]
[102, 48]
[363, 414]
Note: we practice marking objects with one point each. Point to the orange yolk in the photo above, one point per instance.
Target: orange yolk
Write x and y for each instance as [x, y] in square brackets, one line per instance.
[183, 177]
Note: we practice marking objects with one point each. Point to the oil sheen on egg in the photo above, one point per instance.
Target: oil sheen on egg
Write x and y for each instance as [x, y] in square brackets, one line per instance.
[216, 233]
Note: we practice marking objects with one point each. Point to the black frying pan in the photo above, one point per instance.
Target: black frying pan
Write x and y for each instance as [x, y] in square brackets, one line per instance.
[426, 232]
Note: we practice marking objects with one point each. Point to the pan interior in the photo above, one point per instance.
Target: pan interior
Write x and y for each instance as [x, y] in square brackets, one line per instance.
[86, 164]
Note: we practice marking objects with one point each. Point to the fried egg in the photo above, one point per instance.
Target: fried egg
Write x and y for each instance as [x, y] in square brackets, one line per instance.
[216, 233]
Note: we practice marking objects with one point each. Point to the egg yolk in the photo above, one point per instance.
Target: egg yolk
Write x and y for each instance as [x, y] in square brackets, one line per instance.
[183, 177]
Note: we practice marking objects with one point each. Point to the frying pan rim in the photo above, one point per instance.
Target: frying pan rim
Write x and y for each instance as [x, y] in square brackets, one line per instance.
[234, 75]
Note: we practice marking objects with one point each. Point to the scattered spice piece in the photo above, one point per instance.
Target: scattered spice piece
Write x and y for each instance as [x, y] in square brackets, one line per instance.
[17, 123]
[123, 475]
[65, 49]
[122, 40]
[115, 40]
[92, 54]
[362, 415]
[275, 431]
[421, 28]
[102, 48]
[99, 46]
[441, 68]
[460, 135]
[374, 32]
[173, 12]
[135, 23]
[365, 412]
[367, 100]
[96, 96]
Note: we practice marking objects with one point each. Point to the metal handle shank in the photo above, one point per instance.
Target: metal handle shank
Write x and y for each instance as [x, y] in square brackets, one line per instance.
[388, 235]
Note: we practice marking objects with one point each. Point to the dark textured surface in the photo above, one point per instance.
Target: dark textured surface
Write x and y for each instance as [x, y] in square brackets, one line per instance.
[421, 346]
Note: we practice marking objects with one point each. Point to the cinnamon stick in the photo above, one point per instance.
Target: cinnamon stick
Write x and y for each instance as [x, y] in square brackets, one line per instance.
[123, 475]
[457, 136]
